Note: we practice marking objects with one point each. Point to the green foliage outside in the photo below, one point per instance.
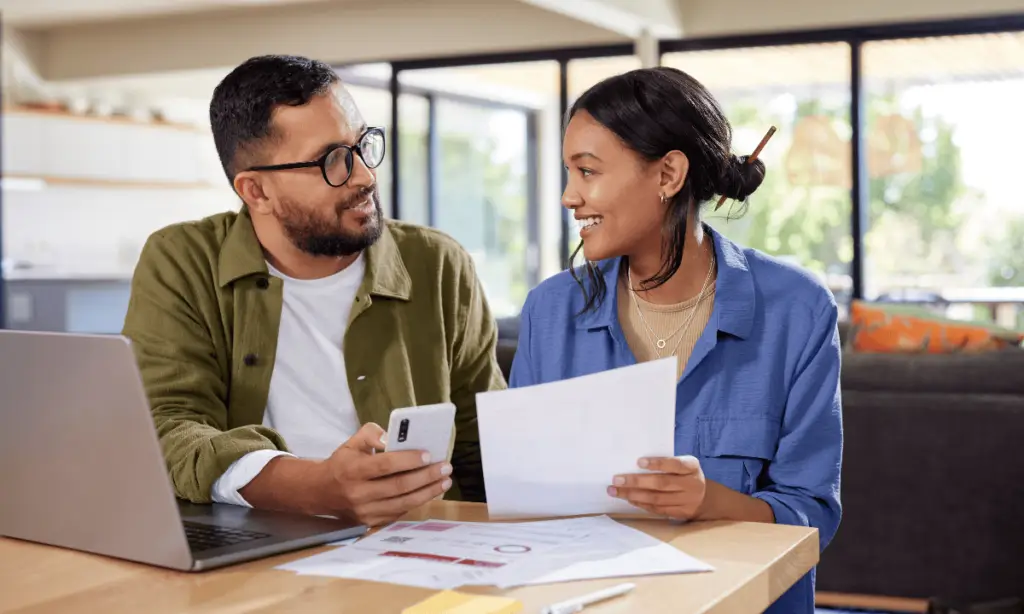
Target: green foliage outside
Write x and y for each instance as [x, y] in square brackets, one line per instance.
[811, 222]
[914, 214]
[1007, 265]
[485, 209]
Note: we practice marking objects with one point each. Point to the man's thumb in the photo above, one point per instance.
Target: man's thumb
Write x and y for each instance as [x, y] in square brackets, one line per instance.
[368, 438]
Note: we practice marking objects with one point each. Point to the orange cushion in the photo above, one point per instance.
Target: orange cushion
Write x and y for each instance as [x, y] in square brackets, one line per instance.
[876, 327]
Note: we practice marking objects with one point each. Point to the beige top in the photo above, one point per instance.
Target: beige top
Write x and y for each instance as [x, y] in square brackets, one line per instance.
[678, 325]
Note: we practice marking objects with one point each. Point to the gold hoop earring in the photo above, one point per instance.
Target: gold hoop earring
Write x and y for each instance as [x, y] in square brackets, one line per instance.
[663, 199]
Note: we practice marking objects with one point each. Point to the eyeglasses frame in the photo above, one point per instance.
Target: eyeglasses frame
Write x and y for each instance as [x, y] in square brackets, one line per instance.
[321, 162]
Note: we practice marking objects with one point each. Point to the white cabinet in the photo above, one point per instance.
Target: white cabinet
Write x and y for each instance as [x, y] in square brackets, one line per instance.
[89, 149]
[22, 144]
[80, 150]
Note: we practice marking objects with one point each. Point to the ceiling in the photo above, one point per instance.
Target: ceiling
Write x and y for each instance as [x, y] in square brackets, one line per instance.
[48, 13]
[157, 49]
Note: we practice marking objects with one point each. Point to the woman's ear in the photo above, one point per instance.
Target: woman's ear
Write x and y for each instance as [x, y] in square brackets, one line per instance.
[249, 187]
[674, 168]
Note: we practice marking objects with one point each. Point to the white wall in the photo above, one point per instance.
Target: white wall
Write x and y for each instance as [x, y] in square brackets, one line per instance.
[82, 195]
[89, 232]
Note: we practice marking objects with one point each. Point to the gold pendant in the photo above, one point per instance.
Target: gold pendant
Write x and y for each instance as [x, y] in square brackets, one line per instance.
[661, 344]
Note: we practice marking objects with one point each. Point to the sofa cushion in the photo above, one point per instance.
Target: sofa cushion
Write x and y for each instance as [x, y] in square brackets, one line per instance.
[508, 328]
[988, 373]
[506, 352]
[900, 328]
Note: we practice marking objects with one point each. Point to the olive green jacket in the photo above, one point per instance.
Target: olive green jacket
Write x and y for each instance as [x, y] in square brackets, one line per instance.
[203, 320]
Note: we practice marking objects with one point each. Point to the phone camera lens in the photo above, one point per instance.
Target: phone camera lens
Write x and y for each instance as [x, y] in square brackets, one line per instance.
[403, 430]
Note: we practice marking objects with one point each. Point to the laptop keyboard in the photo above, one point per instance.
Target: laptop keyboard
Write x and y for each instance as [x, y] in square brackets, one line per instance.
[206, 537]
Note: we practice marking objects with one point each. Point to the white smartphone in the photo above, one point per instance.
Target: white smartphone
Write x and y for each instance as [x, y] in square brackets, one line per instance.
[425, 427]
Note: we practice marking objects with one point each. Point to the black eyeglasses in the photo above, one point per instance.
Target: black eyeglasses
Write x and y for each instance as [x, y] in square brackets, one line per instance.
[336, 164]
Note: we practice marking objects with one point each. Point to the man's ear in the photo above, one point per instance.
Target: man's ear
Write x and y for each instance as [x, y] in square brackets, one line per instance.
[249, 186]
[674, 168]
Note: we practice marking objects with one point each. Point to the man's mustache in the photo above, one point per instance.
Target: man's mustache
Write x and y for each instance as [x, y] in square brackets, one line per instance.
[356, 199]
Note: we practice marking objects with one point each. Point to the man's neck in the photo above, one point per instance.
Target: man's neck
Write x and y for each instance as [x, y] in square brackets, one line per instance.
[688, 281]
[297, 264]
[305, 266]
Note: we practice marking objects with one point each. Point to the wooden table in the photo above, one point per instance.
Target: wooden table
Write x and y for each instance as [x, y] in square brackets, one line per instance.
[755, 564]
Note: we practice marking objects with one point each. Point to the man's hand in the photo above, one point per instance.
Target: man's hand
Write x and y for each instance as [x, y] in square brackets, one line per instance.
[357, 481]
[678, 491]
[377, 488]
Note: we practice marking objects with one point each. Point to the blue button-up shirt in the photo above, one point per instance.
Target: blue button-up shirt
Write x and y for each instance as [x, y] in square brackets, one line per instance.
[758, 403]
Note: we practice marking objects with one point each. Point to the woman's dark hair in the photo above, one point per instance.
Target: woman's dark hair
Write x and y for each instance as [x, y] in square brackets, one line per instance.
[654, 111]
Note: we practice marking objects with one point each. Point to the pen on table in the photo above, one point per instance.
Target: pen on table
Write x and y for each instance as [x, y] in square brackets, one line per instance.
[577, 604]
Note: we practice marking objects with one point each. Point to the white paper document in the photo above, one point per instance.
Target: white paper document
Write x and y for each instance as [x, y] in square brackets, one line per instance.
[607, 550]
[446, 555]
[553, 449]
[435, 554]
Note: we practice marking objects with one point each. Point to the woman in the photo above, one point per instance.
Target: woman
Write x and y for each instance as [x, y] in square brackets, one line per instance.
[758, 413]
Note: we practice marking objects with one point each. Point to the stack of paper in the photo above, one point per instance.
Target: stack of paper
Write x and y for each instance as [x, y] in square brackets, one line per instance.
[445, 555]
[606, 549]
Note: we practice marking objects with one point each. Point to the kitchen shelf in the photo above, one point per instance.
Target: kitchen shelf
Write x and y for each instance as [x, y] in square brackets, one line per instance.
[64, 149]
[90, 182]
[103, 119]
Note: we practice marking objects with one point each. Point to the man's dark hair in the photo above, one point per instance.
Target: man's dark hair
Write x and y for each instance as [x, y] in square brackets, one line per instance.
[242, 104]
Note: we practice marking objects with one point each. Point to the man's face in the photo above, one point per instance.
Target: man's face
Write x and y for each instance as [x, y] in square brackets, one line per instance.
[320, 219]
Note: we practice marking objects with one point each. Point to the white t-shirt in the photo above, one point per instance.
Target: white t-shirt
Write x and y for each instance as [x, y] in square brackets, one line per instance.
[309, 402]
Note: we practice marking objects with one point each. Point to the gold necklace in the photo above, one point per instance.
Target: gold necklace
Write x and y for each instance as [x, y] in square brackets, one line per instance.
[693, 312]
[661, 343]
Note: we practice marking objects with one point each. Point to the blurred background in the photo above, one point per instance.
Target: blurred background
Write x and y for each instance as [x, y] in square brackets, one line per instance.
[894, 176]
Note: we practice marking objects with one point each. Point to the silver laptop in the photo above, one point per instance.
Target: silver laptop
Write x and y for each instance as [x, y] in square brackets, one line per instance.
[81, 467]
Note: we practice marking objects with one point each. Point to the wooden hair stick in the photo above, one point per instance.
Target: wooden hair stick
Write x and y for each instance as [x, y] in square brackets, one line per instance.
[752, 157]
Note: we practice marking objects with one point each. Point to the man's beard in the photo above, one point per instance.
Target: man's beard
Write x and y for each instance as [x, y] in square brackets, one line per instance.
[320, 234]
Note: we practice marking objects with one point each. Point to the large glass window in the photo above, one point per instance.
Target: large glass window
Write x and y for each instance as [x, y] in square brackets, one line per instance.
[483, 196]
[413, 153]
[480, 158]
[490, 126]
[587, 72]
[946, 216]
[802, 210]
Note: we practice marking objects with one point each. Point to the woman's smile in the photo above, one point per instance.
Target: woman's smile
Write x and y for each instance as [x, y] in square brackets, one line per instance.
[588, 225]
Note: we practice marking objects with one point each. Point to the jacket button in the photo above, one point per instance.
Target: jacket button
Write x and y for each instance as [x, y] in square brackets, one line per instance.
[249, 360]
[262, 283]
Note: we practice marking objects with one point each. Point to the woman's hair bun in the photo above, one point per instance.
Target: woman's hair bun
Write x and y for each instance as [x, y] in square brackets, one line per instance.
[741, 178]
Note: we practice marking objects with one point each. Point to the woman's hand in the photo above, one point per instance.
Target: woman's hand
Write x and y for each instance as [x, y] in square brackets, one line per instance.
[677, 491]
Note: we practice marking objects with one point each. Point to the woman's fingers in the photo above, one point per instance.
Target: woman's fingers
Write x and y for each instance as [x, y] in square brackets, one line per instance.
[652, 481]
[678, 465]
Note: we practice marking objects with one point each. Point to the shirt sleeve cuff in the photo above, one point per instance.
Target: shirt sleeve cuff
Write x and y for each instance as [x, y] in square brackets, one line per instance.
[784, 514]
[239, 474]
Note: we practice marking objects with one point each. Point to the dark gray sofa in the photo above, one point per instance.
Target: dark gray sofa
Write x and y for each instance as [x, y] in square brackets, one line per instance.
[933, 475]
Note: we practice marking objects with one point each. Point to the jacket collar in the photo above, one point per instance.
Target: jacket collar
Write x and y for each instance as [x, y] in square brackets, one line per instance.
[735, 298]
[241, 256]
[386, 274]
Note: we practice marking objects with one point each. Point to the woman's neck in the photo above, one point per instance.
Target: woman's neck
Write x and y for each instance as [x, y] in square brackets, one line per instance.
[688, 281]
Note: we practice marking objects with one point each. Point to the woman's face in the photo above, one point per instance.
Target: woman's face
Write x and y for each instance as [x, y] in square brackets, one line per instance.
[612, 191]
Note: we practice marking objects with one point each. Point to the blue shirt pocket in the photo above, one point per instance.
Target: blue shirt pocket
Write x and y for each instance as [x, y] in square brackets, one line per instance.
[734, 450]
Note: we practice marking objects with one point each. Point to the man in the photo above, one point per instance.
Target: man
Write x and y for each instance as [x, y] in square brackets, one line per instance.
[273, 341]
